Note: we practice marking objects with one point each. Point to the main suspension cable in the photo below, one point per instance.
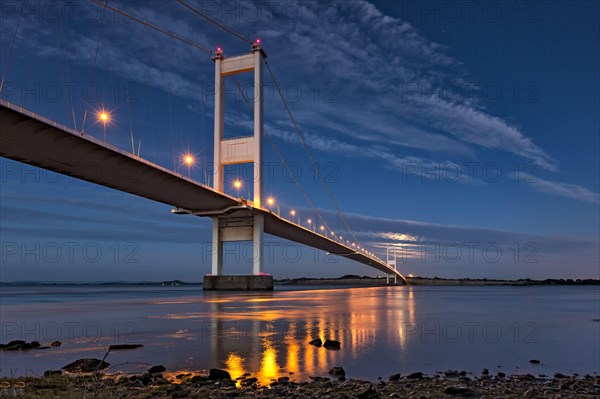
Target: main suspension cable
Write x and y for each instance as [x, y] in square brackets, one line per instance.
[297, 129]
[149, 25]
[12, 46]
[213, 21]
[285, 164]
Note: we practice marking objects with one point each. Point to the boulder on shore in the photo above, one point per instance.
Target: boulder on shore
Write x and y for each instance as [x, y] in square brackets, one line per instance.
[86, 366]
[415, 376]
[157, 369]
[218, 374]
[462, 390]
[121, 347]
[316, 342]
[50, 373]
[19, 345]
[338, 372]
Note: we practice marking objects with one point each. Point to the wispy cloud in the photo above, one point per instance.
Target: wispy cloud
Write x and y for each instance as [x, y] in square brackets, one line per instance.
[371, 85]
[566, 190]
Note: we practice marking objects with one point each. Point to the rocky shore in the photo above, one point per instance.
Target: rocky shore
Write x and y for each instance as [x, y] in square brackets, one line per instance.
[156, 383]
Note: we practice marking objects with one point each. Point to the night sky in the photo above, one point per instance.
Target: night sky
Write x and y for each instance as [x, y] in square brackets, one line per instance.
[464, 133]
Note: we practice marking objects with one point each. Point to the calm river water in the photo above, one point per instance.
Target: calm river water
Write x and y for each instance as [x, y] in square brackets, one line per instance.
[382, 330]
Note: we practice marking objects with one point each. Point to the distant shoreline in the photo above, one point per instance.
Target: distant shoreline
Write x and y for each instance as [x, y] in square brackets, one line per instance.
[348, 280]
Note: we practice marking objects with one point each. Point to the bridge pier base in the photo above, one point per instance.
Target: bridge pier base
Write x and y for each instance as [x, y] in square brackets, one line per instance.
[238, 283]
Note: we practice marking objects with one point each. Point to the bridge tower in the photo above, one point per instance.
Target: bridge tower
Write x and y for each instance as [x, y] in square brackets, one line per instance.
[238, 226]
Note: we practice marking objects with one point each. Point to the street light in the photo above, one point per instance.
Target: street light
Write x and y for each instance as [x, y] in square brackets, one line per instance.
[270, 201]
[104, 117]
[189, 160]
[322, 229]
[293, 213]
[237, 184]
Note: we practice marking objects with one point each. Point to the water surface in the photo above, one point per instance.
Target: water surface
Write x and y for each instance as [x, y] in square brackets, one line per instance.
[382, 330]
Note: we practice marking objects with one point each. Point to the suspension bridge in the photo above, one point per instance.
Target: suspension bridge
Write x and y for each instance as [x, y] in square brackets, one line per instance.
[36, 140]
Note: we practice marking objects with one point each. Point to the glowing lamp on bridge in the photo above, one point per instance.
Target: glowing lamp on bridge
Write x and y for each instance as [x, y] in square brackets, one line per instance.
[293, 213]
[322, 228]
[104, 117]
[237, 184]
[270, 201]
[189, 160]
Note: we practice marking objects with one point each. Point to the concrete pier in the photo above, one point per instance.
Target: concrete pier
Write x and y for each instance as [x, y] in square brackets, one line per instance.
[238, 283]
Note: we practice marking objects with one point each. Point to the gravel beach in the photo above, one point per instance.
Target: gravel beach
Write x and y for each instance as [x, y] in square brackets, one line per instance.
[450, 384]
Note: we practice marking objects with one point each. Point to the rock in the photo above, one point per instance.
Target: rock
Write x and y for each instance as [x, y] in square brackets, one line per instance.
[16, 342]
[218, 374]
[337, 372]
[157, 369]
[50, 373]
[319, 379]
[43, 347]
[20, 345]
[86, 366]
[395, 377]
[198, 379]
[485, 372]
[501, 374]
[458, 390]
[534, 361]
[248, 381]
[55, 344]
[184, 375]
[415, 376]
[367, 393]
[332, 344]
[32, 345]
[180, 394]
[316, 342]
[137, 384]
[146, 379]
[121, 347]
[283, 380]
[559, 375]
[451, 374]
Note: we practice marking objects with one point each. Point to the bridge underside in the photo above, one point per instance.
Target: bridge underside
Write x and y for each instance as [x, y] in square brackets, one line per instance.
[33, 140]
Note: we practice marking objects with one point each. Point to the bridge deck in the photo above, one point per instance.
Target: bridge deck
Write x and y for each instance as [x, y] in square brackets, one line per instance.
[35, 140]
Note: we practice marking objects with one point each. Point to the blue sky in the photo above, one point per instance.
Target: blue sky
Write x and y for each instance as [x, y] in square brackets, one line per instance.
[465, 134]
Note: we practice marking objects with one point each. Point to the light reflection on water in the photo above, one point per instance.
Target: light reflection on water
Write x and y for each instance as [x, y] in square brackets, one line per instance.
[382, 330]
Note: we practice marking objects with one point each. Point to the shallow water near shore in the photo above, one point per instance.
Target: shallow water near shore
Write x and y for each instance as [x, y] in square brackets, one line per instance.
[382, 330]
